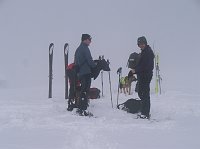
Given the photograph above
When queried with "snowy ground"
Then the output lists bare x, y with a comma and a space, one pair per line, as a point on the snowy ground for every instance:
29, 120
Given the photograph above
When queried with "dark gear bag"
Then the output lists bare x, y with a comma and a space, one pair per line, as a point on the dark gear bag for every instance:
131, 106
133, 60
94, 93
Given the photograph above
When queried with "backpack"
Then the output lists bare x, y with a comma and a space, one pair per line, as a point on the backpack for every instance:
72, 74
131, 106
71, 71
133, 60
94, 93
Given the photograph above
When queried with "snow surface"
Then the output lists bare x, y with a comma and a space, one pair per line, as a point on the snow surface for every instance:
29, 120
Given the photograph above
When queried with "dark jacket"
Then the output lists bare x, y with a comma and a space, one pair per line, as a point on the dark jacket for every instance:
84, 59
146, 62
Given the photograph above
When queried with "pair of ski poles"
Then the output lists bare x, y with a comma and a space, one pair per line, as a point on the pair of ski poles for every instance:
119, 72
102, 57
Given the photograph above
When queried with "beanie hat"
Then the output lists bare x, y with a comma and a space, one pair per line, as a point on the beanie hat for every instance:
142, 40
85, 37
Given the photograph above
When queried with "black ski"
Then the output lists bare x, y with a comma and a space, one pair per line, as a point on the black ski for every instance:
51, 47
66, 53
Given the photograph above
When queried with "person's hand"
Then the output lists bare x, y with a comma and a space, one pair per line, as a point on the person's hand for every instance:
133, 70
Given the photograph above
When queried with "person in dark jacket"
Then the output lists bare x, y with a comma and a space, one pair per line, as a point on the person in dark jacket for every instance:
144, 71
85, 63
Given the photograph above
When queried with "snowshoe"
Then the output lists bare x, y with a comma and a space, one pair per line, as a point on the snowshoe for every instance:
80, 112
70, 107
144, 116
83, 113
87, 113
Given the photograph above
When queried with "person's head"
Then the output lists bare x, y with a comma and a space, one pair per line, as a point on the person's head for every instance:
142, 42
86, 38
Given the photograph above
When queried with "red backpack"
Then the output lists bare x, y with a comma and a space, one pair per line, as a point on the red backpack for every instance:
71, 71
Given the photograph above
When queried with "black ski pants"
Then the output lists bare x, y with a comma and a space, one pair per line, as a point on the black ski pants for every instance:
85, 87
144, 81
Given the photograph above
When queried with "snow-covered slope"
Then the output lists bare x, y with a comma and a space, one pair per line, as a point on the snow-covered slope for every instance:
29, 120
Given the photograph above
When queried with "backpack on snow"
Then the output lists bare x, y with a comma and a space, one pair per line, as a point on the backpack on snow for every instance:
94, 93
133, 60
131, 106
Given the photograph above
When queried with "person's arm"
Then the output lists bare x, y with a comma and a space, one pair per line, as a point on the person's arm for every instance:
89, 58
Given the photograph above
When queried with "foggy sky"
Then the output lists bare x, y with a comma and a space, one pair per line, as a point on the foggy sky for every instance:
29, 26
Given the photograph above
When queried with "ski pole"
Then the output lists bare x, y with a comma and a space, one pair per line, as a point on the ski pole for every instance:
160, 79
102, 82
119, 71
110, 89
100, 58
110, 85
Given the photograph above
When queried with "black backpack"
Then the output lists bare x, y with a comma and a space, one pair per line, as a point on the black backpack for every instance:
133, 60
131, 106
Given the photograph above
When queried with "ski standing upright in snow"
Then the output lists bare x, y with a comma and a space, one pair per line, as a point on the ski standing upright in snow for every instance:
51, 47
66, 55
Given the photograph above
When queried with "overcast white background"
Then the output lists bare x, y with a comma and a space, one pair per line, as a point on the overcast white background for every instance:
27, 27
29, 120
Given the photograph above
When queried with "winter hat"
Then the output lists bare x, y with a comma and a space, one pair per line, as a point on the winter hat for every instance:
142, 40
85, 37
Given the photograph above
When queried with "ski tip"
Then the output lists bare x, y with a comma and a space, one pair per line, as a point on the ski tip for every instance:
51, 45
66, 45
